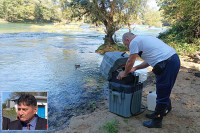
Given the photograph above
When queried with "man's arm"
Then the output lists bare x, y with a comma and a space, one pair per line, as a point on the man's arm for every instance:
129, 65
140, 66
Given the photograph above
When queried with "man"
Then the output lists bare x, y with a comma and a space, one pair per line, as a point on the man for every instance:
5, 123
26, 115
166, 65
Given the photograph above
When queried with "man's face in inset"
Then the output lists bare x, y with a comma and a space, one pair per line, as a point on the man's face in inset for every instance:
26, 113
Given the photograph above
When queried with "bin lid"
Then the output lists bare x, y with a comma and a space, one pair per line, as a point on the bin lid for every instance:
111, 62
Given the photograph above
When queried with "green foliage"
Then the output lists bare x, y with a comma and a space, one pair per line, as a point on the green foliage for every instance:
66, 10
112, 14
109, 48
110, 127
184, 16
92, 105
126, 121
10, 112
46, 11
26, 11
4, 105
152, 18
2, 14
176, 40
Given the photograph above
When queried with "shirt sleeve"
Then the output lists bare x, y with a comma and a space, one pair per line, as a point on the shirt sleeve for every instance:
133, 48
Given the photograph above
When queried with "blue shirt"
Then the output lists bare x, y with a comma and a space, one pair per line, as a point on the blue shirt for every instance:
32, 124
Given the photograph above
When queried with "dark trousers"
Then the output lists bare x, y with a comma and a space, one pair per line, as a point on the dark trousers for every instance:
165, 81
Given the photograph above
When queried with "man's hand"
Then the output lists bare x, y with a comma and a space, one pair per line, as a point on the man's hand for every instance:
121, 75
133, 69
129, 65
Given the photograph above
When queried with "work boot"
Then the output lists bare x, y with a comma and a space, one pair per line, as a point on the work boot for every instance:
154, 123
166, 111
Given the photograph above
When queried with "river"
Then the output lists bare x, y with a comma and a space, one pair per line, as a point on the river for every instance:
33, 59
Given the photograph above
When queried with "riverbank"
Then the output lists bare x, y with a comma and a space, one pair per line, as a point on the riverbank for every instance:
2, 21
184, 117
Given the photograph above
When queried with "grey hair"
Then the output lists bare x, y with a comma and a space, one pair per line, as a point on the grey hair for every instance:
127, 35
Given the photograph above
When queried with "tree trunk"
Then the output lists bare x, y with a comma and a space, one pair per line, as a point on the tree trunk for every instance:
108, 40
110, 31
83, 19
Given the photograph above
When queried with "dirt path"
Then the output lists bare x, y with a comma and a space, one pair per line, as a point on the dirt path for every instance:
184, 117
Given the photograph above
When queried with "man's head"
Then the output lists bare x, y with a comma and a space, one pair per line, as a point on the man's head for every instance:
27, 108
127, 38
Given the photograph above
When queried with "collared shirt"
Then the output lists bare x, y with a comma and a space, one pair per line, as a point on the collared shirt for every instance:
32, 124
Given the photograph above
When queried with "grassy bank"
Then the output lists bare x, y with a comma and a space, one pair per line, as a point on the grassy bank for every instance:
109, 48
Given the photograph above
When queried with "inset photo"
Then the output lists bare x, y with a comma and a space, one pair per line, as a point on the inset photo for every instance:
24, 111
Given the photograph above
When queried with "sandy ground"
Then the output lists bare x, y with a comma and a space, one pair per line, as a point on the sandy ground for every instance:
184, 117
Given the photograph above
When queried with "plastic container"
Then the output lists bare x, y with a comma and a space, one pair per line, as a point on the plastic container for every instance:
151, 101
125, 95
125, 100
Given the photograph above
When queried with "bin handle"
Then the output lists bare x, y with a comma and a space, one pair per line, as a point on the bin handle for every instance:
114, 93
123, 54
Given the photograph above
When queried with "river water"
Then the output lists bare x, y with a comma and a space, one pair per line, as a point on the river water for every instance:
33, 59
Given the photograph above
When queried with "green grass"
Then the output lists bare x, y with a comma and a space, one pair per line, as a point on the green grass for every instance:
109, 48
126, 121
93, 105
110, 127
184, 48
9, 112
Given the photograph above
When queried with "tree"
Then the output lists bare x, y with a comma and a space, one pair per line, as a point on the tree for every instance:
113, 14
152, 17
4, 105
45, 11
184, 16
11, 10
2, 9
29, 11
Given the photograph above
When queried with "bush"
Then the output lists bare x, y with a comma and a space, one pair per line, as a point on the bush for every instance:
185, 32
176, 38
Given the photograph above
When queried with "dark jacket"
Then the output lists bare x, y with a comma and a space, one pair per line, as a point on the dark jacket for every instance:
17, 124
5, 123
